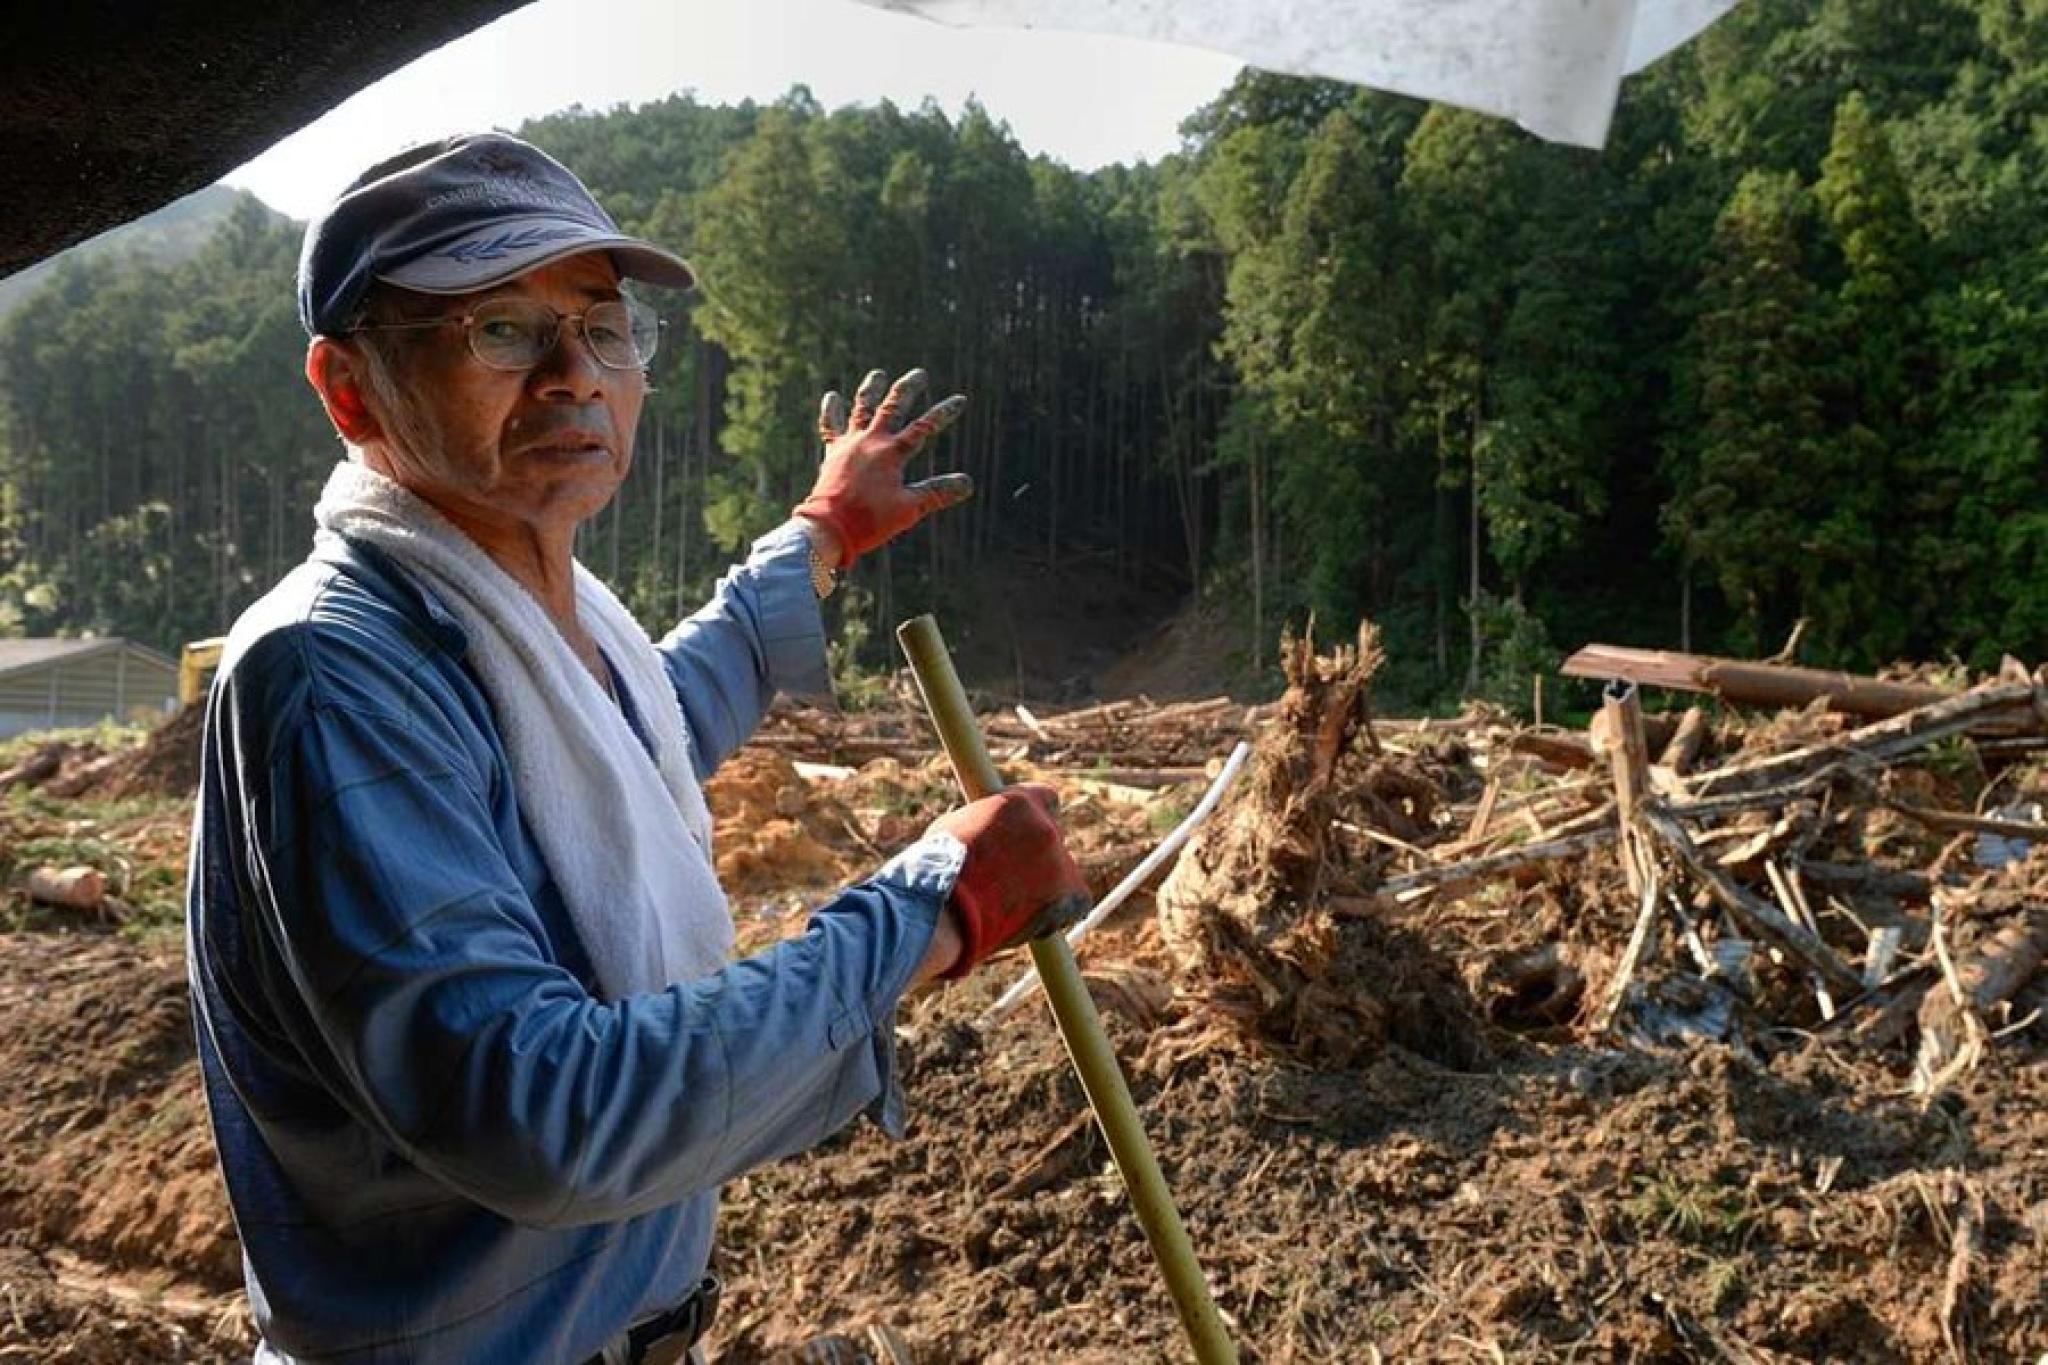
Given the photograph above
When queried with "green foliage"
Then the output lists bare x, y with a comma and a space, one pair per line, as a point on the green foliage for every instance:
1517, 649
1781, 351
107, 737
1706, 1215
857, 687
93, 834
1754, 470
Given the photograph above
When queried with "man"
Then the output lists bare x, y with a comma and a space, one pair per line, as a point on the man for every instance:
475, 1054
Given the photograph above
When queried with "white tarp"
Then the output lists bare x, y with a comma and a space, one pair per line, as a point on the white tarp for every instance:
1553, 66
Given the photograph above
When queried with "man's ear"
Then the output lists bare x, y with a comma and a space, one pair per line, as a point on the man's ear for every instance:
336, 373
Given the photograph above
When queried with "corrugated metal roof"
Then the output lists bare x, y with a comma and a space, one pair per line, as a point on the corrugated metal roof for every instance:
20, 654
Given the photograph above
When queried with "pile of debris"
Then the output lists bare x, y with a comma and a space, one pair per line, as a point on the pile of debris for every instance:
164, 763
1861, 863
1820, 872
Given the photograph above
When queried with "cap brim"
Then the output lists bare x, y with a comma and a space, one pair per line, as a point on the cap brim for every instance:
507, 250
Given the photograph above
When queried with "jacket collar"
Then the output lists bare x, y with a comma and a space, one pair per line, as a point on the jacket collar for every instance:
394, 585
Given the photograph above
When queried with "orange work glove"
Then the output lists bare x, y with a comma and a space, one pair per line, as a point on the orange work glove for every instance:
1019, 882
860, 492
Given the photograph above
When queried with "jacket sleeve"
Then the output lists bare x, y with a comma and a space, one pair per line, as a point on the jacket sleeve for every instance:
761, 633
414, 977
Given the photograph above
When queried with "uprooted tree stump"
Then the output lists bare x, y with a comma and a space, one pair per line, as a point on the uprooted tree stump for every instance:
1245, 912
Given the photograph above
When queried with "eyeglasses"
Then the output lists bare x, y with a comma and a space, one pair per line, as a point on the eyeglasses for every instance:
518, 334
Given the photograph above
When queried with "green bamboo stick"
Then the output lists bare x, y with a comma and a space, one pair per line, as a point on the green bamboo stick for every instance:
1074, 1010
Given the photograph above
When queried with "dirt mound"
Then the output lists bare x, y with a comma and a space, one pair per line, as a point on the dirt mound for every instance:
165, 763
1558, 1205
55, 1312
1202, 650
775, 832
788, 838
106, 1149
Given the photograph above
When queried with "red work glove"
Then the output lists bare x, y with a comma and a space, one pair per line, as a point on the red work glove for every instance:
860, 493
1019, 882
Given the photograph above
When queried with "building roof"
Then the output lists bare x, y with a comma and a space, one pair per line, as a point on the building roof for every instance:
113, 109
16, 655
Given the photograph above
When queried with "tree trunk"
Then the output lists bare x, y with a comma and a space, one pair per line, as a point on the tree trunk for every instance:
1477, 636
1258, 508
1685, 608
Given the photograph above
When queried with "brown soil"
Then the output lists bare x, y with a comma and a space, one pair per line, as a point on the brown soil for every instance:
1201, 650
1480, 1183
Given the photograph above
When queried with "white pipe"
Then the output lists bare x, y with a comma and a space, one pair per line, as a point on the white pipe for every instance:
1204, 808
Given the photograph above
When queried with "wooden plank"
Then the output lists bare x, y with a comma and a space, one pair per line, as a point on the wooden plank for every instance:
1752, 684
1628, 755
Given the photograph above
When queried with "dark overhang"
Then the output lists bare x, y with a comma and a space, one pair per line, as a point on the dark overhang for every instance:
109, 110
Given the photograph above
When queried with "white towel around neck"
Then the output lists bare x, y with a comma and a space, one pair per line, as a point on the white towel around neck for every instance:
627, 839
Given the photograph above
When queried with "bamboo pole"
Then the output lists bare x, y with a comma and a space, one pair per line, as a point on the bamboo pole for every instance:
1080, 1026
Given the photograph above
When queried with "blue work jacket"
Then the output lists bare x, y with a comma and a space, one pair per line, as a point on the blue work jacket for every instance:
439, 1143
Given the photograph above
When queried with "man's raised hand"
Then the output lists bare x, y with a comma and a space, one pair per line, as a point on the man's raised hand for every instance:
860, 494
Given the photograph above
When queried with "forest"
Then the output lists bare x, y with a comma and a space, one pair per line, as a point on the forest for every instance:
1774, 355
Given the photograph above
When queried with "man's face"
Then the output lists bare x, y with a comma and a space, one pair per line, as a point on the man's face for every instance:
540, 450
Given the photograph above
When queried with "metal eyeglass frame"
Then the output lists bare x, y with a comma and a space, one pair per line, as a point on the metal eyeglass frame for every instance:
467, 321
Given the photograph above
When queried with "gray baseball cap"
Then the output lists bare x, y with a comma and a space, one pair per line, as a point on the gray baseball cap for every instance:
456, 216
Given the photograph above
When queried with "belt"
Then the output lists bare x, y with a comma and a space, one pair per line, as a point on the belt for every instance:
667, 1337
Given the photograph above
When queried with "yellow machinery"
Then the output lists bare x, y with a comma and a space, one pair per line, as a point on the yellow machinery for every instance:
195, 668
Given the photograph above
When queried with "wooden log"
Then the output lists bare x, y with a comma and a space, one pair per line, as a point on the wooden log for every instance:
71, 888
1181, 711
1955, 822
1111, 791
1762, 798
40, 766
1578, 751
1966, 1249
1757, 915
1423, 725
2004, 963
76, 781
1088, 715
1561, 751
1493, 864
1884, 742
1484, 815
1533, 807
1684, 749
1752, 684
1880, 954
1600, 816
1883, 1017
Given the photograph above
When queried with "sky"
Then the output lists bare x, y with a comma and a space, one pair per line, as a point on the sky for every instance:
1083, 99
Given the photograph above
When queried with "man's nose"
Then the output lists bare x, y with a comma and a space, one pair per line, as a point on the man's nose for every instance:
570, 370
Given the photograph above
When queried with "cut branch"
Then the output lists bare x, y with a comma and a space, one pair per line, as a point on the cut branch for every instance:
1949, 1030
1684, 749
1494, 863
1887, 740
1758, 916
